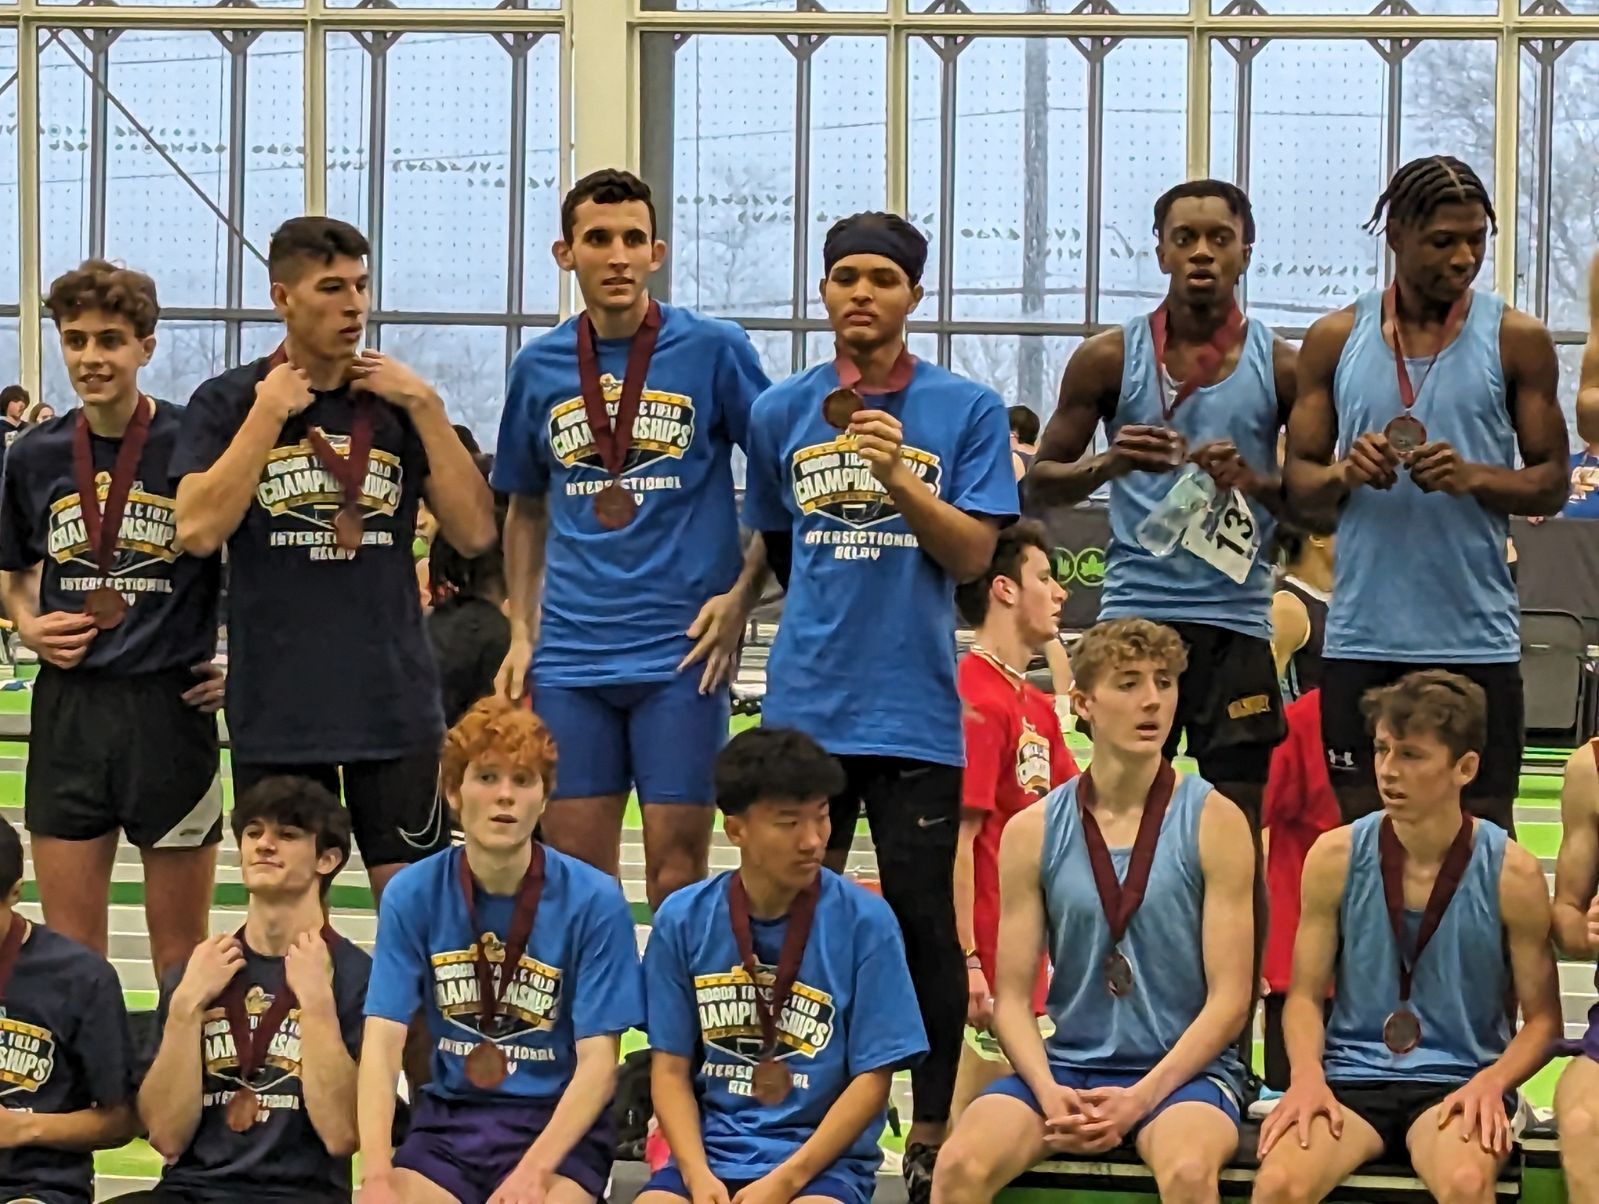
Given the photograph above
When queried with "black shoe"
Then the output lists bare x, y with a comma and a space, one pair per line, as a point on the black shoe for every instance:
917, 1168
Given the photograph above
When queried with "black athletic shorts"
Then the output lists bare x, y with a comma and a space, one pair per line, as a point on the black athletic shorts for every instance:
395, 807
1392, 1107
1228, 704
1351, 762
109, 752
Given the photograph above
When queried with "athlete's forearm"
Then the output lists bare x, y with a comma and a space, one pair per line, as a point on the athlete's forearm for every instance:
1268, 491
1571, 930
1304, 1036
1054, 483
170, 1099
328, 1079
1017, 1030
966, 880
855, 1108
77, 1132
1529, 1051
382, 1049
19, 591
1314, 493
1539, 489
583, 1101
962, 545
456, 491
1216, 1027
526, 529
211, 504
755, 573
678, 1111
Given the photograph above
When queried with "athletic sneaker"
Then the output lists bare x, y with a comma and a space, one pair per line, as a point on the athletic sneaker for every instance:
917, 1168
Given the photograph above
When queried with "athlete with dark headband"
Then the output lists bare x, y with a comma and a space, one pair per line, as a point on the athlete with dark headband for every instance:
621, 544
878, 482
1422, 920
124, 621
1427, 416
1135, 880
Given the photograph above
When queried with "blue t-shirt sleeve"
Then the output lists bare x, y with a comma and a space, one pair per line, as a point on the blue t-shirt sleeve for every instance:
608, 986
885, 1023
763, 479
400, 965
740, 379
19, 535
519, 464
985, 479
674, 1025
209, 424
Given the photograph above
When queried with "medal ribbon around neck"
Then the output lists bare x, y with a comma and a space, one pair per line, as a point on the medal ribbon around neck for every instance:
1208, 359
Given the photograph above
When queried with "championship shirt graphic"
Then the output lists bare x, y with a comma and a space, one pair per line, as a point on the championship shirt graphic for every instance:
529, 1005
27, 1059
662, 434
273, 1083
831, 479
1032, 760
298, 491
147, 542
730, 1023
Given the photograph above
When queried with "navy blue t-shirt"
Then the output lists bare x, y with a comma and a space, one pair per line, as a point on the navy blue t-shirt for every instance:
328, 659
64, 1047
617, 604
281, 1158
172, 597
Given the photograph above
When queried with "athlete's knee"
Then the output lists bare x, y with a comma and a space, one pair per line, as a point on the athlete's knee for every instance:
1465, 1182
671, 874
965, 1170
1277, 1184
1187, 1178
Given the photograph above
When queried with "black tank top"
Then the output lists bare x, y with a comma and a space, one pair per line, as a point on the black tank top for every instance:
1303, 673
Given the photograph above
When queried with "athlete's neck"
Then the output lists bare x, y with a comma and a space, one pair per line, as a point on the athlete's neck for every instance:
1196, 321
1122, 781
109, 421
620, 323
999, 638
325, 374
499, 871
769, 899
1315, 571
875, 363
1427, 837
1415, 309
272, 925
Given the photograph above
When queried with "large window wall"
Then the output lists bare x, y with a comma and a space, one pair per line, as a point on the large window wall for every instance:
1027, 137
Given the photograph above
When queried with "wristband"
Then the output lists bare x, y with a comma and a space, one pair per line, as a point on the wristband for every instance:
973, 962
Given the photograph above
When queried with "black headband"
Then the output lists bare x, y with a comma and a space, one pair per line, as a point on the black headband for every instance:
885, 234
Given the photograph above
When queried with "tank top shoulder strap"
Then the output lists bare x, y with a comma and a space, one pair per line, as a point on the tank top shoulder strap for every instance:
1138, 355
1060, 820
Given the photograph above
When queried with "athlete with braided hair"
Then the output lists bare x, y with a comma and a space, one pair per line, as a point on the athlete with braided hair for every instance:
1426, 417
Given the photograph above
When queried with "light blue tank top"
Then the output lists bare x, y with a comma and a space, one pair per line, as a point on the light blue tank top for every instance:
1462, 1030
1182, 587
1093, 1029
1421, 577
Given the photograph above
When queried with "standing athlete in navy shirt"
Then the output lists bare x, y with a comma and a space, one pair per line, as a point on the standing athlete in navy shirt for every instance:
124, 619
524, 964
779, 1001
309, 465
621, 544
878, 482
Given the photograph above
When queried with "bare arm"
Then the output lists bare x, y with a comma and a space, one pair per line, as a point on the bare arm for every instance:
855, 1108
1227, 860
961, 543
584, 1099
965, 877
1315, 955
1021, 941
1532, 377
1314, 484
1524, 907
1577, 868
527, 523
1290, 628
678, 1110
1060, 667
455, 489
1588, 384
171, 1096
382, 1047
19, 592
77, 1132
1062, 472
328, 1077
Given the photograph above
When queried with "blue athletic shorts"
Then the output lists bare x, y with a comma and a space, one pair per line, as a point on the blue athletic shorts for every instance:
1203, 1090
832, 1183
660, 738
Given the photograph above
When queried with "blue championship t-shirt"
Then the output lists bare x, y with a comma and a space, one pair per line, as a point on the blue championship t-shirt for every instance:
579, 977
171, 620
852, 1010
864, 661
329, 661
616, 604
64, 1047
281, 1158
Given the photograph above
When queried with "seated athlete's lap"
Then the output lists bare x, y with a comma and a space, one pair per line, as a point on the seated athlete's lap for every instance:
1393, 1107
845, 1187
1202, 1090
469, 1147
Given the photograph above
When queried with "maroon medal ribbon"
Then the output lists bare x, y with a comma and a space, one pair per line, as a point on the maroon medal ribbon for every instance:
10, 950
349, 471
1207, 359
1121, 900
1407, 388
1391, 858
777, 1081
523, 913
841, 405
613, 440
102, 529
251, 1045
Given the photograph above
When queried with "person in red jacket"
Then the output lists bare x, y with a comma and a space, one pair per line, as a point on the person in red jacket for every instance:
1015, 754
1299, 806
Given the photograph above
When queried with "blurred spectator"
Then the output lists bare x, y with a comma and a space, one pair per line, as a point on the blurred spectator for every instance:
467, 624
1023, 438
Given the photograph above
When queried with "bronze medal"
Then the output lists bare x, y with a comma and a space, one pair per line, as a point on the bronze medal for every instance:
349, 527
771, 1082
1405, 434
1401, 1032
486, 1066
1119, 974
106, 606
840, 407
614, 507
242, 1110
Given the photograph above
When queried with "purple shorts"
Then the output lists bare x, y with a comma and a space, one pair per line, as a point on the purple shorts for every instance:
468, 1147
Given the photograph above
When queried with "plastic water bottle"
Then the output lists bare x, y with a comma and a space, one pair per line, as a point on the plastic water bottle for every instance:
1162, 529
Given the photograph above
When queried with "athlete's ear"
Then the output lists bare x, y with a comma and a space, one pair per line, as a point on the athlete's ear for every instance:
657, 256
14, 895
1005, 590
562, 250
148, 345
326, 862
1466, 768
453, 797
1160, 257
280, 298
734, 827
1249, 254
917, 293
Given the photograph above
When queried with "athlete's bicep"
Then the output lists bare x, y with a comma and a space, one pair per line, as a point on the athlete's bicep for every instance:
1321, 893
1313, 421
1532, 372
1089, 390
1285, 375
1577, 866
1021, 903
1528, 921
1227, 861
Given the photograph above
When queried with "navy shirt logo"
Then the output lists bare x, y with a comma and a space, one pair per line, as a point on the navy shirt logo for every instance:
831, 478
27, 1055
303, 496
147, 540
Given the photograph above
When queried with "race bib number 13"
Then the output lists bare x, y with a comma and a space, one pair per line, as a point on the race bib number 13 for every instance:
1225, 537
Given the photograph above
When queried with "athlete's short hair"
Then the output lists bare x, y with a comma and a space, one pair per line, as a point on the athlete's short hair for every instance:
494, 727
302, 241
608, 186
1117, 643
1023, 423
1434, 702
774, 764
290, 801
973, 597
10, 857
102, 285
13, 393
1237, 202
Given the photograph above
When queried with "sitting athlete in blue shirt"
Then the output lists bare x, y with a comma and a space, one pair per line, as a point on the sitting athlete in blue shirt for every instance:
523, 1064
780, 1004
1417, 1051
1147, 1005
